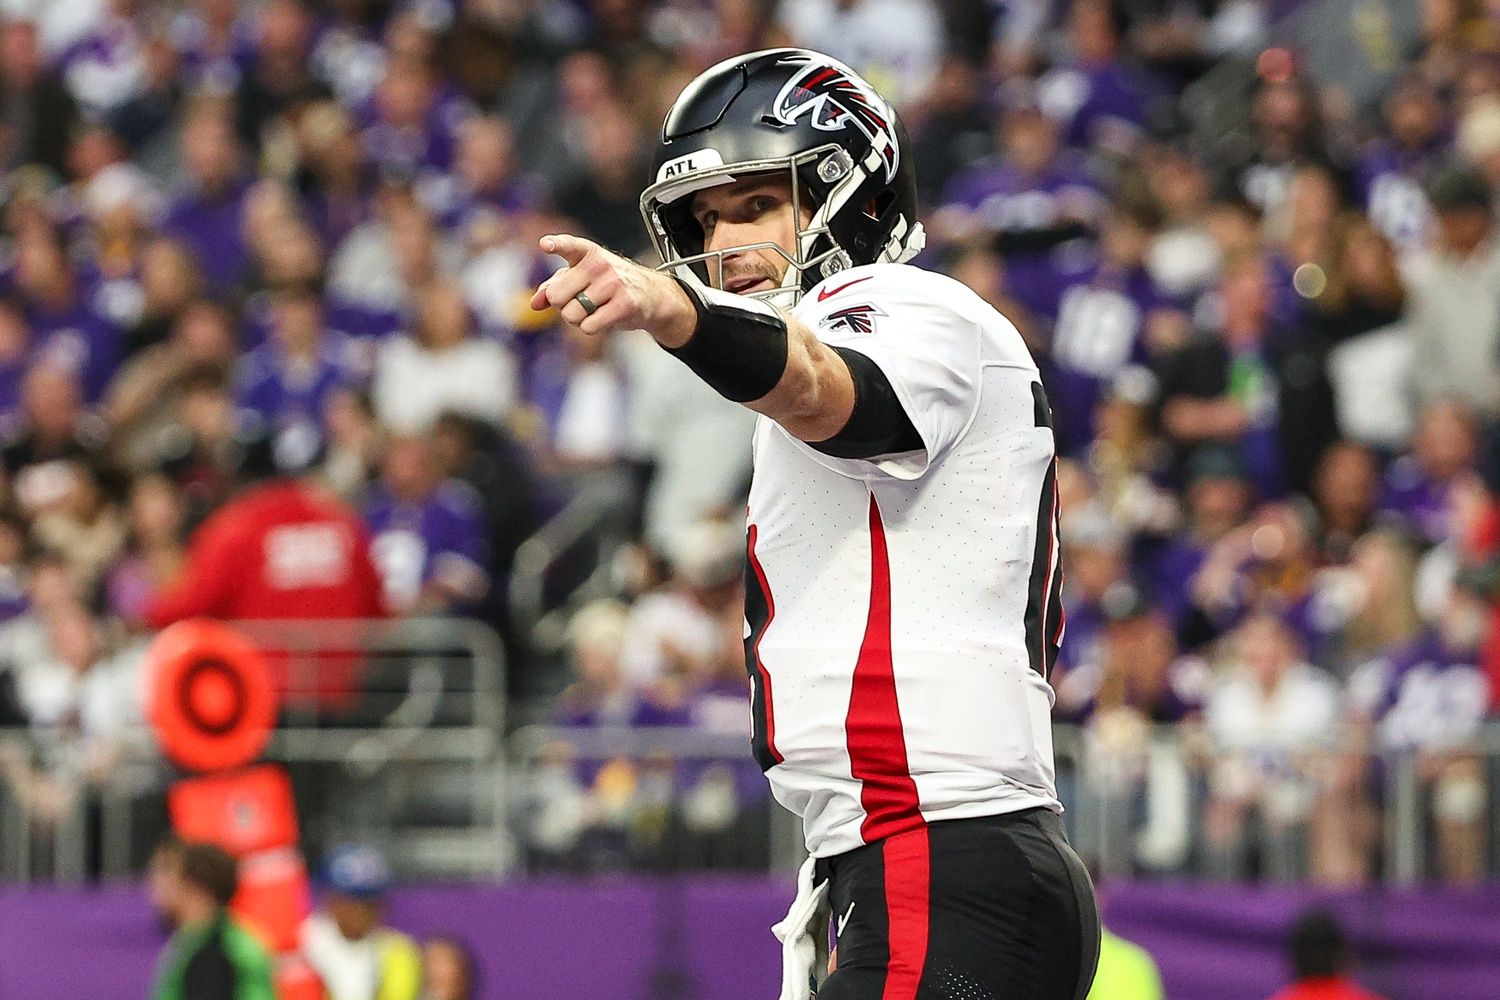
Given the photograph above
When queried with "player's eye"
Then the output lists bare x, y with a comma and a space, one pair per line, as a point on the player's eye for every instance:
762, 204
707, 221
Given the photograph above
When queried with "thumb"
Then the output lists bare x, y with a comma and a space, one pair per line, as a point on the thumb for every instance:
570, 248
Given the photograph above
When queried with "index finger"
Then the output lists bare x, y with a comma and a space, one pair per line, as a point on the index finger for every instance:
570, 248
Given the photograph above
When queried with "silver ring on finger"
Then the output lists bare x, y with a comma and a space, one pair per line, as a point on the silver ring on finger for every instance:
582, 298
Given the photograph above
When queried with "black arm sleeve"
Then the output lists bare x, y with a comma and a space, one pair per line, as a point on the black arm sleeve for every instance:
739, 345
879, 424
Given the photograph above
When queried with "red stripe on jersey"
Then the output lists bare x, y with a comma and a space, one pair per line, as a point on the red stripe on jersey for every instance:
1062, 611
908, 871
1051, 568
877, 743
760, 669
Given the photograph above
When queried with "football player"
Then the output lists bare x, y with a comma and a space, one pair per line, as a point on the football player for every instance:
903, 576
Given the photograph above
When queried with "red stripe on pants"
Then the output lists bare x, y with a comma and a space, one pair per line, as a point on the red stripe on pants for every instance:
908, 870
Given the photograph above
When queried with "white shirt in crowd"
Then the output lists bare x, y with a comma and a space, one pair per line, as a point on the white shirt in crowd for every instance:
414, 385
1297, 713
663, 626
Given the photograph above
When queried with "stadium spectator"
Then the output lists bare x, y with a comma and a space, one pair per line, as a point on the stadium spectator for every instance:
896, 44
154, 550
1390, 174
590, 427
604, 198
1321, 959
442, 367
38, 110
284, 384
1345, 490
1286, 131
1420, 487
283, 549
210, 956
1126, 971
426, 534
1141, 683
355, 954
208, 214
54, 429
279, 73
107, 66
354, 439
1268, 714
674, 633
385, 261
1100, 99
1245, 387
169, 284
1370, 602
67, 330
1110, 315
1031, 199
83, 707
449, 970
332, 178
1429, 697
1356, 317
1095, 550
1217, 500
15, 346
143, 405
1454, 320
83, 524
599, 693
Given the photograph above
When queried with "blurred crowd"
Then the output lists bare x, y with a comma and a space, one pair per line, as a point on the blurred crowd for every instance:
267, 264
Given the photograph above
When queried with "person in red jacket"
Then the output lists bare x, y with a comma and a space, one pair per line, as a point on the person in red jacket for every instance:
284, 549
1321, 959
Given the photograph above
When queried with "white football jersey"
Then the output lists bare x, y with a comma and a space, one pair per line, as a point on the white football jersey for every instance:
902, 613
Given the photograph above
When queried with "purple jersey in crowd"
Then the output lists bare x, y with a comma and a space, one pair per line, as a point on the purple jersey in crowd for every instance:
1105, 105
1002, 199
355, 332
1389, 181
421, 151
1100, 330
212, 225
1419, 501
77, 339
198, 66
106, 67
440, 539
1422, 696
290, 396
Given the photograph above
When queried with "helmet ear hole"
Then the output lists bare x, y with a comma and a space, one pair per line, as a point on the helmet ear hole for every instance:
880, 204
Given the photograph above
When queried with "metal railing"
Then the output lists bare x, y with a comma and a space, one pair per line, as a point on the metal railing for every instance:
393, 733
597, 512
1150, 805
446, 795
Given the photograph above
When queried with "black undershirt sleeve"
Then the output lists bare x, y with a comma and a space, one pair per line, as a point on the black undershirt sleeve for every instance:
879, 424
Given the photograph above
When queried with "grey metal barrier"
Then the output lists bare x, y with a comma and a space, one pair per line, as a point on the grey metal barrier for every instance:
392, 732
1150, 801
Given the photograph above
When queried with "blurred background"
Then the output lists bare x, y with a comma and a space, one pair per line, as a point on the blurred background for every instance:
264, 331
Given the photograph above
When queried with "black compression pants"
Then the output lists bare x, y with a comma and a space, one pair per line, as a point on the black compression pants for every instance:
995, 908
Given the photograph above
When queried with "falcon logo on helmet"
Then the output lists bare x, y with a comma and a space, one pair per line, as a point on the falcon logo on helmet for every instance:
835, 97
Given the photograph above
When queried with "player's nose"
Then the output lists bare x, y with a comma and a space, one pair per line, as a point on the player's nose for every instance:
728, 236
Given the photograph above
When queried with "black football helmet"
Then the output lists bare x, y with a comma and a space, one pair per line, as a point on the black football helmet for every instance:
844, 149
